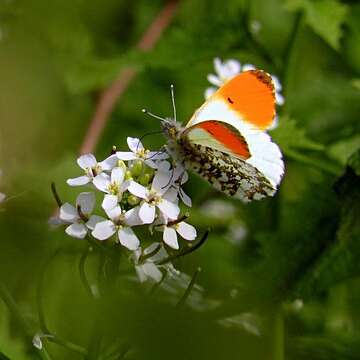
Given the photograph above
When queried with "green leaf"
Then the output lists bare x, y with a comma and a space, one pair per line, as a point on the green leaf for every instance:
343, 149
325, 347
293, 141
325, 17
3, 356
340, 261
291, 137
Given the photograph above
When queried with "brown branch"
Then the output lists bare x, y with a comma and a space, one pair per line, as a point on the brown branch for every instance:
111, 94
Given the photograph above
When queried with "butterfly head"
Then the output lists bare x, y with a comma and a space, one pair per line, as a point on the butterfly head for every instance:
171, 129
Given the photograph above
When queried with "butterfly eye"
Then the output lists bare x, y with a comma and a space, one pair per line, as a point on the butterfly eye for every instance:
229, 100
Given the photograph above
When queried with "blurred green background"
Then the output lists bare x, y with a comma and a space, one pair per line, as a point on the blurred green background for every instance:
280, 277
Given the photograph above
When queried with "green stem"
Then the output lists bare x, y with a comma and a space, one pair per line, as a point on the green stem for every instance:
258, 47
338, 318
189, 288
68, 345
278, 335
289, 52
313, 162
42, 319
56, 195
15, 312
82, 271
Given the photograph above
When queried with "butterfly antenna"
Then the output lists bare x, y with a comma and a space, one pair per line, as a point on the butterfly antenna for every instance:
147, 112
173, 100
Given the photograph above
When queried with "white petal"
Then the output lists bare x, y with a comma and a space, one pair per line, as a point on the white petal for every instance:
151, 248
158, 155
102, 182
164, 166
162, 181
184, 178
280, 100
2, 197
185, 198
140, 273
233, 67
124, 186
79, 181
214, 80
128, 238
94, 219
209, 92
86, 201
151, 163
179, 172
87, 161
134, 144
275, 123
114, 213
277, 83
109, 202
170, 209
132, 217
170, 238
76, 230
118, 175
247, 67
186, 231
152, 271
171, 195
138, 190
68, 213
103, 230
36, 341
109, 162
126, 155
218, 65
147, 213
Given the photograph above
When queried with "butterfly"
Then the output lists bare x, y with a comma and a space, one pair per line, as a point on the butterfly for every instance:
225, 141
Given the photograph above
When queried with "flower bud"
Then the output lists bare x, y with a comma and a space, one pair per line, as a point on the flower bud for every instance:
137, 168
121, 164
128, 175
145, 179
133, 200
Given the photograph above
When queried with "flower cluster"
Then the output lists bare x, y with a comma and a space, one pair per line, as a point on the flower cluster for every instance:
227, 69
140, 188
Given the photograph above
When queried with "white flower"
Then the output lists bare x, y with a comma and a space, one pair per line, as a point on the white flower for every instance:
37, 342
92, 168
171, 229
156, 197
79, 216
145, 262
138, 152
224, 71
120, 222
227, 69
180, 178
113, 186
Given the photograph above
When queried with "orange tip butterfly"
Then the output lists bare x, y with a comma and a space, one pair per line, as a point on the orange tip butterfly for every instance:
225, 141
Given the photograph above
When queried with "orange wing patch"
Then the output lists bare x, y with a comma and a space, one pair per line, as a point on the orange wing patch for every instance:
227, 135
252, 94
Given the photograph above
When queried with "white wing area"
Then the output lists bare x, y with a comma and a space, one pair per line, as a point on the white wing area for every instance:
265, 155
